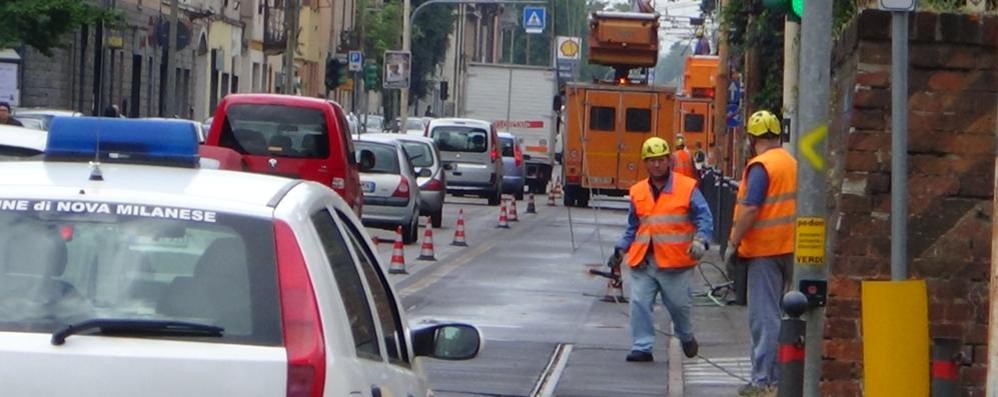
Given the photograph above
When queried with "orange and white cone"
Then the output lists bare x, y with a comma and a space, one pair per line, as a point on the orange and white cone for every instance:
397, 266
551, 202
531, 208
503, 216
557, 188
426, 251
513, 216
459, 238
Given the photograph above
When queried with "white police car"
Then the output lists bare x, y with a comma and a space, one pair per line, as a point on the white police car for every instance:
121, 279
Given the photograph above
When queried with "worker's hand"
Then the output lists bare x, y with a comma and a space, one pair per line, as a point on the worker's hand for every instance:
615, 259
730, 254
697, 249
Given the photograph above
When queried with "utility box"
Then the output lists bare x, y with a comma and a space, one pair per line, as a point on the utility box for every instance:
623, 39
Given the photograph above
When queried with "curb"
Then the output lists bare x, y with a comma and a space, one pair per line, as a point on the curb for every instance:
677, 369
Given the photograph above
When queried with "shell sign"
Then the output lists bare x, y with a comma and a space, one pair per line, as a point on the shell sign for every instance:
569, 48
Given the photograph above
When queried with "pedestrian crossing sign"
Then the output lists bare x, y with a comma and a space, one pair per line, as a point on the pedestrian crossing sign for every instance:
534, 19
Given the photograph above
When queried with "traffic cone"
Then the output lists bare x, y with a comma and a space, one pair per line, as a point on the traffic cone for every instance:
615, 288
426, 251
557, 188
376, 241
397, 265
503, 216
551, 202
531, 209
459, 231
513, 216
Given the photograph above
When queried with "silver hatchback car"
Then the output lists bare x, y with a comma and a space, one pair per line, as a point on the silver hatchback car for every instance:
430, 173
471, 148
390, 187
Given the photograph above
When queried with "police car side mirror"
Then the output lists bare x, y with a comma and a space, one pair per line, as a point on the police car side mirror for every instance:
446, 341
366, 160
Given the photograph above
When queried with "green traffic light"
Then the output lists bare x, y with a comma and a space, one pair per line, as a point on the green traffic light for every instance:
798, 7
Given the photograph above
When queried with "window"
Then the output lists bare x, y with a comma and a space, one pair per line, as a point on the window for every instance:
276, 130
602, 118
365, 334
388, 315
119, 262
461, 139
638, 120
507, 147
386, 158
693, 122
420, 154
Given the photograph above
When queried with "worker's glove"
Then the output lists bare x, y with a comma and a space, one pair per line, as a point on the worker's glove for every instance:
697, 249
615, 259
730, 254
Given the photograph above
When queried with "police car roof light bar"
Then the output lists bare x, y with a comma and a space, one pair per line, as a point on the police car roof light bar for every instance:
109, 140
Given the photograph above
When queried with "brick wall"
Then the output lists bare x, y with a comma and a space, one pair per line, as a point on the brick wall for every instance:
953, 96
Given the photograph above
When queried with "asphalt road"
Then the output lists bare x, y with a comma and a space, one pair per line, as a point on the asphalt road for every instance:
528, 289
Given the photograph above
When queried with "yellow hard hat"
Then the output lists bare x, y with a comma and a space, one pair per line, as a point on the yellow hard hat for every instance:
680, 141
654, 147
763, 122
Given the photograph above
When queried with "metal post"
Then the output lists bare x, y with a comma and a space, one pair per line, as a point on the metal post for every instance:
812, 179
406, 46
291, 24
899, 145
171, 61
721, 85
945, 367
791, 356
791, 54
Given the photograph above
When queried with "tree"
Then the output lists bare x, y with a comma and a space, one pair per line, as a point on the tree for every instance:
42, 24
429, 43
670, 68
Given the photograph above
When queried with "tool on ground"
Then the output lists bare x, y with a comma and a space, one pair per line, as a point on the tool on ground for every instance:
397, 265
615, 284
459, 238
426, 250
531, 208
513, 216
791, 353
503, 216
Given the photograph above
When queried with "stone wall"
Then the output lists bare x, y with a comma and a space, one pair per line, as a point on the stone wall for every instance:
953, 96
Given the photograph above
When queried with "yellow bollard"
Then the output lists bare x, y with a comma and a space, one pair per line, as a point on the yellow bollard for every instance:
895, 338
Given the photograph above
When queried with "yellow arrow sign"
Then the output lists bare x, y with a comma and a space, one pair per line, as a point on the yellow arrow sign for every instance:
808, 147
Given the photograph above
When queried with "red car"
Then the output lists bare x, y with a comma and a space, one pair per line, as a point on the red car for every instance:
292, 136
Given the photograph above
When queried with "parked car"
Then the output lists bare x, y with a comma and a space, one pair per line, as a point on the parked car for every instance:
430, 174
170, 280
20, 143
196, 126
42, 115
291, 136
471, 148
391, 191
514, 171
374, 124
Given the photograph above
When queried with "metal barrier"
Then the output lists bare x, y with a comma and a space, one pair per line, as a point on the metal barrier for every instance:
721, 193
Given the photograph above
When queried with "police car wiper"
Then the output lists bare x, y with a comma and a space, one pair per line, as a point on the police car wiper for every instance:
132, 326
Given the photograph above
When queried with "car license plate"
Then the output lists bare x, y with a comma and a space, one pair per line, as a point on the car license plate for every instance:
368, 187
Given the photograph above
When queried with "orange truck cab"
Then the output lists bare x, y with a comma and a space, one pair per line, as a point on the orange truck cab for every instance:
695, 108
292, 136
604, 128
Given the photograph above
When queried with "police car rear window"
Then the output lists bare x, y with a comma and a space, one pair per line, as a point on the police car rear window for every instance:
276, 130
63, 262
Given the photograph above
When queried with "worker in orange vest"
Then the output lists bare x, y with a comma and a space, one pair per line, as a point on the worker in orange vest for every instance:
683, 160
668, 227
762, 239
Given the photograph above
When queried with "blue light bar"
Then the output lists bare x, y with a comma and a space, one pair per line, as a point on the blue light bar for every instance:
134, 141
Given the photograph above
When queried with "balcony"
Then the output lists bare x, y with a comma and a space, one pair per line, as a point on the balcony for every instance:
275, 40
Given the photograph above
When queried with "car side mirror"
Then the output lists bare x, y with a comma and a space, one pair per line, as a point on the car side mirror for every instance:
425, 173
449, 167
526, 157
366, 160
447, 341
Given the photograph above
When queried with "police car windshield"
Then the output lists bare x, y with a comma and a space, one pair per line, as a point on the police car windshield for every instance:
63, 262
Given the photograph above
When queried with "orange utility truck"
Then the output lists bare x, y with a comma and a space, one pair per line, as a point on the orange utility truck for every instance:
695, 107
606, 122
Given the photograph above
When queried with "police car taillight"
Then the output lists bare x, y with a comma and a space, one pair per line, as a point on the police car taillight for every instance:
303, 337
157, 142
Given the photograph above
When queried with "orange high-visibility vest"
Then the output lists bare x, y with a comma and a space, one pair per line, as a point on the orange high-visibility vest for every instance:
665, 224
773, 231
682, 163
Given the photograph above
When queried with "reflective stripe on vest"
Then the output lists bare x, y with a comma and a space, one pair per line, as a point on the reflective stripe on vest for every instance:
773, 230
665, 226
683, 164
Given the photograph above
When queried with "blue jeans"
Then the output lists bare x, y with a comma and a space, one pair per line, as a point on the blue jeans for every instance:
767, 279
647, 282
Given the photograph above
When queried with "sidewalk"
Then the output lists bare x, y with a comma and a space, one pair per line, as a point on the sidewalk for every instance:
724, 340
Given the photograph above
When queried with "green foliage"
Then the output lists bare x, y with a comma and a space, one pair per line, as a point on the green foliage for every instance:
384, 32
670, 68
941, 5
429, 43
41, 24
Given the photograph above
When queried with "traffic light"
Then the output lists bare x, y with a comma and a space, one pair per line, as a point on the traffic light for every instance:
796, 7
444, 94
334, 73
370, 75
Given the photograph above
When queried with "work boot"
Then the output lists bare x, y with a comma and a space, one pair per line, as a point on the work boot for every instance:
639, 356
691, 348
